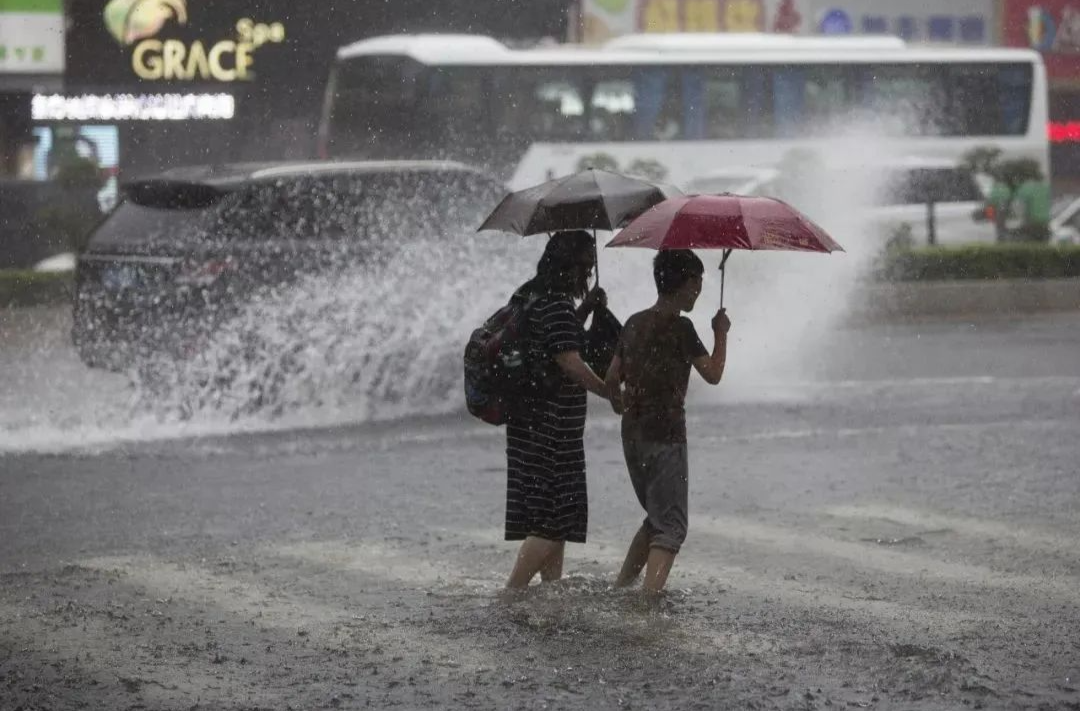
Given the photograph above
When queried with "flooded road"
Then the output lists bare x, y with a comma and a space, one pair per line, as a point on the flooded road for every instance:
899, 531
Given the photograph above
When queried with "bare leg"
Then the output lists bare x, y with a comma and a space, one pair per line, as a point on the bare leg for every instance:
636, 557
552, 569
532, 556
657, 569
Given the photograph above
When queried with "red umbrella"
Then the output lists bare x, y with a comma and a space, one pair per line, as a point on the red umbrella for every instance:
726, 222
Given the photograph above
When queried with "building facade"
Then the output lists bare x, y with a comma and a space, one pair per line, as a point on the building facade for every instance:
1052, 27
31, 61
167, 82
959, 22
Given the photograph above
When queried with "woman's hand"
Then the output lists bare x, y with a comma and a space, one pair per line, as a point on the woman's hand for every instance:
596, 297
579, 372
616, 402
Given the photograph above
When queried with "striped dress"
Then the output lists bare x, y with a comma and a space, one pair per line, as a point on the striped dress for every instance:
545, 452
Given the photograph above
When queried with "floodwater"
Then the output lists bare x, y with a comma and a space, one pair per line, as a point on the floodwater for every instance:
882, 517
901, 539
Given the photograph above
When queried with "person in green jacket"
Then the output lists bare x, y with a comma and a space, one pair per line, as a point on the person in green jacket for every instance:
1019, 202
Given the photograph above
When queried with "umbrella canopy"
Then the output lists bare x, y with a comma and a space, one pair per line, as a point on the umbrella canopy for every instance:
725, 222
588, 200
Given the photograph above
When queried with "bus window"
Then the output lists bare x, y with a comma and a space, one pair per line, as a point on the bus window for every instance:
658, 115
789, 100
906, 99
989, 100
612, 111
809, 100
457, 101
828, 98
372, 101
694, 110
725, 105
1014, 98
541, 104
972, 95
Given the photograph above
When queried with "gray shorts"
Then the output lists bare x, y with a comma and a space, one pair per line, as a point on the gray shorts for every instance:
660, 476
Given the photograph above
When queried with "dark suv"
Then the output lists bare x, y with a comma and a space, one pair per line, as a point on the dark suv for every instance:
185, 249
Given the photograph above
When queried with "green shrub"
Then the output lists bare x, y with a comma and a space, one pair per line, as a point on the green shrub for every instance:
990, 261
28, 288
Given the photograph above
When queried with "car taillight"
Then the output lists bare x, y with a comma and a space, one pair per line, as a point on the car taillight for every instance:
203, 273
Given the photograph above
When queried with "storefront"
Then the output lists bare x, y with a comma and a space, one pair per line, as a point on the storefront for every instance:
180, 82
1053, 28
951, 22
31, 61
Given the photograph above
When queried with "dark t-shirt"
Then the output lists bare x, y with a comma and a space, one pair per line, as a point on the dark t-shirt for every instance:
656, 351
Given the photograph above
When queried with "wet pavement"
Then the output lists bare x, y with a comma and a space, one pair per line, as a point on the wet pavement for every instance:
899, 531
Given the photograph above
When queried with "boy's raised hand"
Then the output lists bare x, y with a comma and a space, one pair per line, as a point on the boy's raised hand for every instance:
721, 324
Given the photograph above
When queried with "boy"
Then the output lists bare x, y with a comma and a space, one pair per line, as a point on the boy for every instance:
653, 360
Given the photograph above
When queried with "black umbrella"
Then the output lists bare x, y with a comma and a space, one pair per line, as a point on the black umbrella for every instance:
589, 200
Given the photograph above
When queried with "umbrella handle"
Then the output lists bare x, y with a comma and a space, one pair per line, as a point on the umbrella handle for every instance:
723, 271
596, 257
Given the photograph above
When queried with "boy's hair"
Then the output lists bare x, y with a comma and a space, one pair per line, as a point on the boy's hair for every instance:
674, 267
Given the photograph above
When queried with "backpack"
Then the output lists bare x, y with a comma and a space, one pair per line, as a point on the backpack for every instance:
497, 363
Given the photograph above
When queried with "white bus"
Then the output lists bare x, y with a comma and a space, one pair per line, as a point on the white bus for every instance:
677, 107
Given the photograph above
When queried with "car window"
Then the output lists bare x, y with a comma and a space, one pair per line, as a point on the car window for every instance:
358, 207
1062, 203
921, 185
1074, 220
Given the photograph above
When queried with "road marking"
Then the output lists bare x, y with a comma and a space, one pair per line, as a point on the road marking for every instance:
978, 528
265, 607
887, 561
900, 429
386, 562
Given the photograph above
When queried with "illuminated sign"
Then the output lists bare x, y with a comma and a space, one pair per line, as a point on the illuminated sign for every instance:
1064, 131
131, 107
138, 24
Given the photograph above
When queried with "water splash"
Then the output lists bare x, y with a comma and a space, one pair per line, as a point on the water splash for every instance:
383, 340
365, 342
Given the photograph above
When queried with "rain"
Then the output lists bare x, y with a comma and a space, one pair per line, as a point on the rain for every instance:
561, 354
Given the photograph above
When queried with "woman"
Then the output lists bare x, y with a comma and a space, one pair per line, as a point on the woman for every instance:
546, 503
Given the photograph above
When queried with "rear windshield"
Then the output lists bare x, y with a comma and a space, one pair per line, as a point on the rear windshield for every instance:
355, 208
131, 224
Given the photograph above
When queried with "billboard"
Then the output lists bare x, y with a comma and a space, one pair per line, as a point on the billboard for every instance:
173, 42
958, 22
1049, 26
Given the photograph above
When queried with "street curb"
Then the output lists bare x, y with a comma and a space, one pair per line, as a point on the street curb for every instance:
903, 300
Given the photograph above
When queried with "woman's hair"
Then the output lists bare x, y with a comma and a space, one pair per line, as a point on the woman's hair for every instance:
674, 267
559, 270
